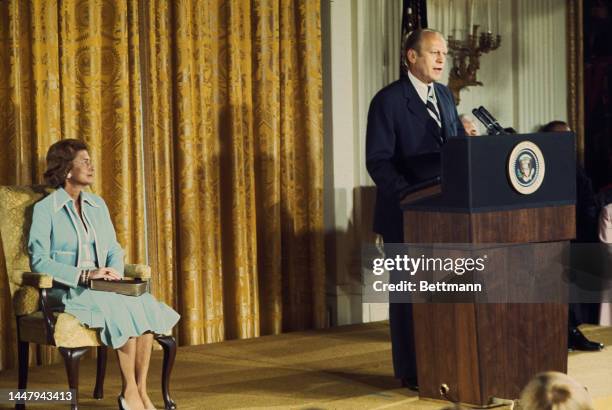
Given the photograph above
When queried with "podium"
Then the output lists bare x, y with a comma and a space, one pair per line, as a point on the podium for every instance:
477, 352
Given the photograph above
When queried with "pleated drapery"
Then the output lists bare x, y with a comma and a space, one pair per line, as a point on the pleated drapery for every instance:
204, 120
72, 72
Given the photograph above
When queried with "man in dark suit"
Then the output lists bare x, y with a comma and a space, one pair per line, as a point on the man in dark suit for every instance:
408, 121
587, 214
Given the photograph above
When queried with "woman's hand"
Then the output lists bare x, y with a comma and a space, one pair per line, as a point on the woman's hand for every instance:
104, 273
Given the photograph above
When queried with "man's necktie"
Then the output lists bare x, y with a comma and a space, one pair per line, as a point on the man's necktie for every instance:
432, 107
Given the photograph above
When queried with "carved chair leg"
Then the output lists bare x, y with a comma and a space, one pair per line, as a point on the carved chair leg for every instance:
168, 344
71, 360
100, 372
23, 353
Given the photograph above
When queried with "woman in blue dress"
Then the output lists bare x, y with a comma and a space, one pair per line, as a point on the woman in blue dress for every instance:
72, 238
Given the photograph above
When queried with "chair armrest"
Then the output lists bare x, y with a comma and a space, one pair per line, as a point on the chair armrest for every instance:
137, 271
26, 300
31, 287
37, 280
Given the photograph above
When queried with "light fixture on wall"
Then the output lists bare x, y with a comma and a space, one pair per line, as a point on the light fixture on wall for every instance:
466, 50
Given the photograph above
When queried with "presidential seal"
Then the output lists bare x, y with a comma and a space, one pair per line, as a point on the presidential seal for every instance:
526, 167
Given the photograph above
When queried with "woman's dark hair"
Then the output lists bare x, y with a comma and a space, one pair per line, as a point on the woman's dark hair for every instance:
59, 160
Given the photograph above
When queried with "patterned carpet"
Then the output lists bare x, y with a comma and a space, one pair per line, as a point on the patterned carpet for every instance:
342, 368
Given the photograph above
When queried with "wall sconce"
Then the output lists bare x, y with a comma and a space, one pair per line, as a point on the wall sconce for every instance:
466, 58
466, 46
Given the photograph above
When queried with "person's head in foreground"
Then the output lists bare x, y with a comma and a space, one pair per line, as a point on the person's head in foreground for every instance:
555, 126
468, 125
555, 391
425, 54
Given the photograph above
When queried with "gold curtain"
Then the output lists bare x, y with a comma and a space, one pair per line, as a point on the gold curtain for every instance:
228, 97
71, 70
236, 159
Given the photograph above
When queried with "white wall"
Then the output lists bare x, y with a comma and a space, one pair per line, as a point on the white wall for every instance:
525, 85
361, 41
525, 80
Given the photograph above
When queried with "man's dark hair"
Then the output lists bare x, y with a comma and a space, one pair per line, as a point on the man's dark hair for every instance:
412, 41
59, 160
554, 126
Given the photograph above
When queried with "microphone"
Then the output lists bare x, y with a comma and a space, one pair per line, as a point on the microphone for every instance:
485, 121
486, 113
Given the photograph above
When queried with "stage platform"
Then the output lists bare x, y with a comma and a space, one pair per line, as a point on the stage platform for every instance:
346, 367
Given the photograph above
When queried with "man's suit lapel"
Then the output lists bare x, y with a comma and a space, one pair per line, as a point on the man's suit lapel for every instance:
416, 106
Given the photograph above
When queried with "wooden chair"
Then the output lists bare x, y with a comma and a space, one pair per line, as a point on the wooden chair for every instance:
36, 321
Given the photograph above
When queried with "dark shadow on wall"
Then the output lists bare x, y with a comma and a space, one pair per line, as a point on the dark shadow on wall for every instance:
343, 249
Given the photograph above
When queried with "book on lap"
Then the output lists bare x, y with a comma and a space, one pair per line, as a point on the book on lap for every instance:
128, 287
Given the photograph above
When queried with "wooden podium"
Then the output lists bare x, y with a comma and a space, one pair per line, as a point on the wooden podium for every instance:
486, 351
